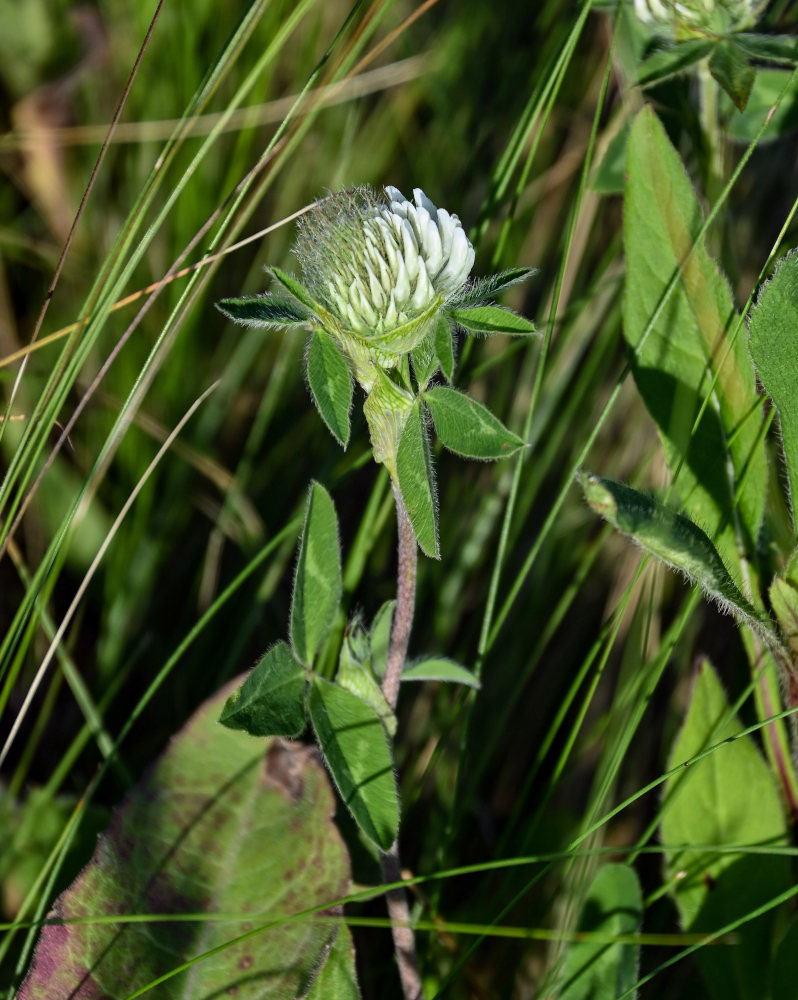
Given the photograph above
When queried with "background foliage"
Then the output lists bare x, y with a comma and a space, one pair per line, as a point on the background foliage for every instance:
501, 113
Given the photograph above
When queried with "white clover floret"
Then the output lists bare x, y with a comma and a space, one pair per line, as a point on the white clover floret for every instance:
382, 268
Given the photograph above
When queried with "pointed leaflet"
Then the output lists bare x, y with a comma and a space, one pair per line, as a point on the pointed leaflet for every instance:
729, 66
483, 289
337, 979
330, 385
726, 799
317, 586
595, 968
264, 310
355, 749
772, 48
189, 839
467, 428
493, 319
438, 668
675, 540
676, 360
417, 481
675, 59
425, 360
773, 340
271, 701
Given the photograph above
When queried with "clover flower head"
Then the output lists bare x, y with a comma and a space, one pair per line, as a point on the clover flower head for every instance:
685, 18
382, 266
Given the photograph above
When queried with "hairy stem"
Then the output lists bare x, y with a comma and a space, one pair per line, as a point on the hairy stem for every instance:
398, 910
405, 602
404, 940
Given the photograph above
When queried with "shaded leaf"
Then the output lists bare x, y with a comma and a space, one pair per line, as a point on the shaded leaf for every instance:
675, 540
729, 66
337, 979
676, 59
298, 290
271, 701
773, 48
380, 637
264, 310
190, 838
330, 385
493, 319
417, 480
355, 748
727, 798
483, 289
773, 340
598, 969
355, 674
317, 586
438, 668
785, 964
467, 428
685, 355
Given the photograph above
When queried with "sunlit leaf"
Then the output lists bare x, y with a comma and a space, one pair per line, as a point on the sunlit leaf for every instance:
493, 319
438, 668
417, 481
468, 428
317, 587
685, 363
773, 339
330, 385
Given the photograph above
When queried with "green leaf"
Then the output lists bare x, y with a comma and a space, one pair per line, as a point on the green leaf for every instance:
685, 355
417, 480
773, 340
330, 385
676, 59
773, 48
493, 319
355, 748
337, 979
783, 594
444, 346
674, 540
766, 101
298, 290
317, 587
380, 637
355, 674
264, 310
596, 968
729, 66
467, 428
438, 668
726, 799
221, 823
484, 289
425, 360
271, 701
